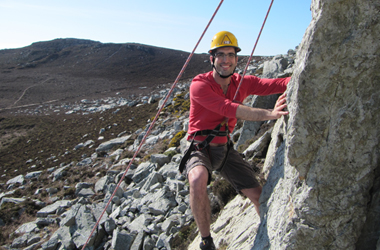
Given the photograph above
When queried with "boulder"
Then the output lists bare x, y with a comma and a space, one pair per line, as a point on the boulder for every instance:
106, 146
160, 159
121, 240
18, 179
322, 180
51, 209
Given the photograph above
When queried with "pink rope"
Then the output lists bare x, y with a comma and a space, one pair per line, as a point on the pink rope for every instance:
253, 50
152, 124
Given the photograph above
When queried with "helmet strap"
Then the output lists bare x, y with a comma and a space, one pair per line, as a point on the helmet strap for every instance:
222, 76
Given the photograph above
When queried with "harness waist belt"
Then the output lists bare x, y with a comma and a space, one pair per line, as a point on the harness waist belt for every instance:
208, 132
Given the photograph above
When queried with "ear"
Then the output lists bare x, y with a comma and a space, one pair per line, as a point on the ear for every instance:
211, 59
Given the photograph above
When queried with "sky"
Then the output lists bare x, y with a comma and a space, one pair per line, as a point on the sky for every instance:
174, 24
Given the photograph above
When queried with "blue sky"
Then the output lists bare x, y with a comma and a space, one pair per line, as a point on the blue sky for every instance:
174, 24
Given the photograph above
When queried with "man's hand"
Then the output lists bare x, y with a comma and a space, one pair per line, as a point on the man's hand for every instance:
278, 110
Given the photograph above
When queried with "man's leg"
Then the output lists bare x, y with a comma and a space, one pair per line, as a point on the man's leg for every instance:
199, 201
253, 194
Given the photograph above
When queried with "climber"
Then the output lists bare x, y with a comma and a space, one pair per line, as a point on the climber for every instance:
213, 115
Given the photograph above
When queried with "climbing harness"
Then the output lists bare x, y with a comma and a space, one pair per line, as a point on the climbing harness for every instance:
205, 143
152, 124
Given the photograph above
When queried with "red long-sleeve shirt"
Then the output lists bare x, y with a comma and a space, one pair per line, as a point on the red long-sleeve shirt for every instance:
209, 106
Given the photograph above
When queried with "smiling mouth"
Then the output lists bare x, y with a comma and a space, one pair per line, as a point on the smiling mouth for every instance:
225, 67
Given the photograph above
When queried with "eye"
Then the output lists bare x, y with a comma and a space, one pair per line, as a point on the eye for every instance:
222, 55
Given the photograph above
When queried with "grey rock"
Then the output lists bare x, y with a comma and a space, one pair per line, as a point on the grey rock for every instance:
151, 140
33, 175
85, 222
140, 222
170, 222
149, 243
101, 184
18, 179
85, 162
42, 222
83, 189
51, 209
106, 146
20, 242
51, 244
121, 240
321, 175
51, 190
152, 179
11, 200
160, 159
32, 239
109, 225
27, 228
163, 242
63, 234
258, 147
59, 173
85, 192
162, 203
138, 242
142, 171
274, 67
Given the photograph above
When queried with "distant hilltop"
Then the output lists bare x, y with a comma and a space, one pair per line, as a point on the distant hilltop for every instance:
71, 69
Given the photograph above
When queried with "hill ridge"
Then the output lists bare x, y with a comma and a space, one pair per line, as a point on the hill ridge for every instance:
73, 68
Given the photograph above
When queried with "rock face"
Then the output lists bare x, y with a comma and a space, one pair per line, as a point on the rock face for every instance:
322, 191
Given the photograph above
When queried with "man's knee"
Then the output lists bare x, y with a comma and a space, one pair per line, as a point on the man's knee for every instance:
253, 193
198, 177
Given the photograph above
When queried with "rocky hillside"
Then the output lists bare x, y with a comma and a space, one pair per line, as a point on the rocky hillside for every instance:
69, 163
50, 148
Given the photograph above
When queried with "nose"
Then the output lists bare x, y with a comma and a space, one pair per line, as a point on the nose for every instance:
225, 58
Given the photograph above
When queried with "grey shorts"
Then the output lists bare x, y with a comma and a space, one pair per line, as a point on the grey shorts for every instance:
236, 171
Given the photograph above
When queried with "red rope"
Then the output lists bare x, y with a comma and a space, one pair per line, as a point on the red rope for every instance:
153, 122
253, 50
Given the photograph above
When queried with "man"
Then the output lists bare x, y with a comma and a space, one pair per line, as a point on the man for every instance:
212, 104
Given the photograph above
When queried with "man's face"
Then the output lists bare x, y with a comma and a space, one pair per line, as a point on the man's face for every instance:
225, 60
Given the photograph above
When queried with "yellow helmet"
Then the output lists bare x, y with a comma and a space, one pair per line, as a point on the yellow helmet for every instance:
224, 39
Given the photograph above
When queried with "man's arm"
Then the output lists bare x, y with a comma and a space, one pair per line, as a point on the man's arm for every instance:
257, 114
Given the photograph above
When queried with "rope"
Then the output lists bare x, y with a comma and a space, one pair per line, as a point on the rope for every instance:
152, 124
253, 50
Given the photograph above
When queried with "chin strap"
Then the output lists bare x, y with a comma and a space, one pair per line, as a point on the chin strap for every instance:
222, 76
